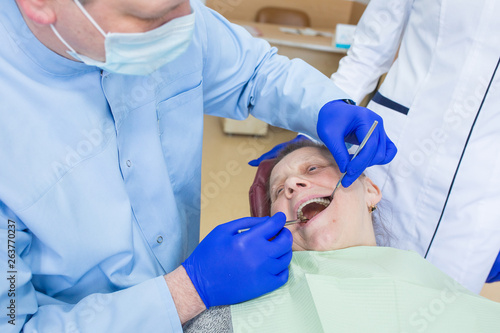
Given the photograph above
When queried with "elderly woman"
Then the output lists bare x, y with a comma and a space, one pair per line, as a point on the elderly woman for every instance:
340, 281
300, 185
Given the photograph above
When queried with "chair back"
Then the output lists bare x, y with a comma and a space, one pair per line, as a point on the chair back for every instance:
260, 204
285, 16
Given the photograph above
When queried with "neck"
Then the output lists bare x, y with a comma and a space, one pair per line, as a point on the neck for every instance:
46, 36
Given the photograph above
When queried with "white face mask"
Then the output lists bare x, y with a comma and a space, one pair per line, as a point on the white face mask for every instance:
139, 53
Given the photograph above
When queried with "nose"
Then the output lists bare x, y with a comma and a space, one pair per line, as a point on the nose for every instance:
293, 185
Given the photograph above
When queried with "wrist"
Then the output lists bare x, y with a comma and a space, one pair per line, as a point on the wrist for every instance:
348, 101
186, 299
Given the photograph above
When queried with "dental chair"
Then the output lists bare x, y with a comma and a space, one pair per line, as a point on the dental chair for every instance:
259, 200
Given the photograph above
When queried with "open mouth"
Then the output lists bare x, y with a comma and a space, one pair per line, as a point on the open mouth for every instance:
311, 208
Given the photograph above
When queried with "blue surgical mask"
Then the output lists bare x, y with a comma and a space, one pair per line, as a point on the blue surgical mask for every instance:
139, 53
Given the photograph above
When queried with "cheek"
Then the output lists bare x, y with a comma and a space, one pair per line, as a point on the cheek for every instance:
280, 206
274, 208
350, 201
321, 234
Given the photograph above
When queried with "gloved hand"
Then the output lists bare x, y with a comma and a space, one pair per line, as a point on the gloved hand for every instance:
339, 122
494, 275
276, 149
228, 267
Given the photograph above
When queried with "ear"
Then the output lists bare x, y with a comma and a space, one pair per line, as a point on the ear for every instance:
373, 194
38, 11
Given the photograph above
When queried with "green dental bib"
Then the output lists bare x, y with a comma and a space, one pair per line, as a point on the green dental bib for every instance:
366, 289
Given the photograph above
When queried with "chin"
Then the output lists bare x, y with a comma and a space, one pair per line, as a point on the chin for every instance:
320, 242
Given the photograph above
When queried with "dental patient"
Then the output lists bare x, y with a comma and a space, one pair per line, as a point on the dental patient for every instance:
340, 280
299, 186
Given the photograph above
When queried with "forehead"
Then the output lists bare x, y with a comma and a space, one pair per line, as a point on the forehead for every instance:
298, 158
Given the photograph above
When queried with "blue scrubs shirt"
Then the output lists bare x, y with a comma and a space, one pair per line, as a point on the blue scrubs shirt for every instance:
100, 173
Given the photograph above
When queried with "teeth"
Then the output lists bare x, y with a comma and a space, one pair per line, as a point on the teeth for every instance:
322, 201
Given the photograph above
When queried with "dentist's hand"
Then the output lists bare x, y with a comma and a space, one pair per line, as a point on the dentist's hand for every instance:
339, 122
276, 150
228, 267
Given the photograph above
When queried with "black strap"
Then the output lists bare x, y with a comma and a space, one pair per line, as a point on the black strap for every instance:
388, 103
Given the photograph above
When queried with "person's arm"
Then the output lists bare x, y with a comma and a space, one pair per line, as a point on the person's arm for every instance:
245, 75
187, 301
376, 42
226, 268
149, 304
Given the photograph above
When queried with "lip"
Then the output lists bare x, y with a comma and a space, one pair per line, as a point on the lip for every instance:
312, 196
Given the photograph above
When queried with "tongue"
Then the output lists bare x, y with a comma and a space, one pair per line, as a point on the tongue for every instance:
312, 209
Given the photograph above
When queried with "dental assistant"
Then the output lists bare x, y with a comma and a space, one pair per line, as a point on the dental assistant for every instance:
102, 106
440, 104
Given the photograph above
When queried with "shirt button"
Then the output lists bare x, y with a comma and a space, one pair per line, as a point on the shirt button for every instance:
159, 239
129, 163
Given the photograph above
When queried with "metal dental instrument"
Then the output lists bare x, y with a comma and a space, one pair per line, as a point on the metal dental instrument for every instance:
367, 136
295, 221
286, 223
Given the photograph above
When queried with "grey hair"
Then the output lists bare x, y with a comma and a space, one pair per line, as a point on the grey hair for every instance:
381, 227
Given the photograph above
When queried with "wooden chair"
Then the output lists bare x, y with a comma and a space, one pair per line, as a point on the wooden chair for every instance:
285, 16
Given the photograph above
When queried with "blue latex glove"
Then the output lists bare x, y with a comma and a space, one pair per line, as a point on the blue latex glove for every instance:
340, 122
275, 151
494, 275
228, 267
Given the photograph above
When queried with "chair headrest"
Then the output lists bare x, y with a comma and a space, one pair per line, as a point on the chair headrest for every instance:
260, 205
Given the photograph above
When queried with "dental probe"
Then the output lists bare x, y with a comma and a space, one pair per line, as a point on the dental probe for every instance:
367, 136
286, 223
296, 221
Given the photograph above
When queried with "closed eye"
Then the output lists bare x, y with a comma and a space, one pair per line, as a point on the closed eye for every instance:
279, 190
317, 168
314, 168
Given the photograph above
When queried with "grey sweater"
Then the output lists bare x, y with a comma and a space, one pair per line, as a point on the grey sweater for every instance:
214, 320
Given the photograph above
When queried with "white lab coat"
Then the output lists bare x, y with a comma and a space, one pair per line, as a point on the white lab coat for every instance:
443, 187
